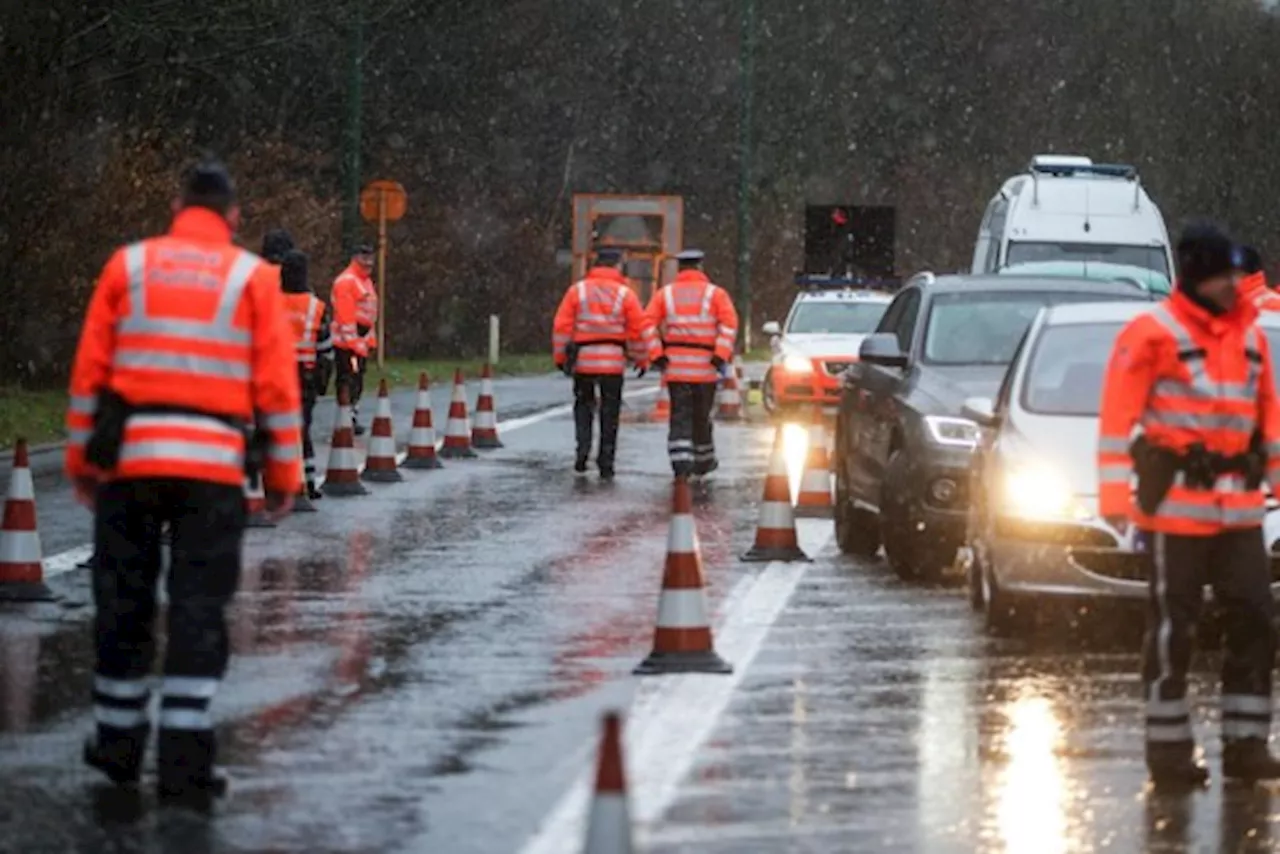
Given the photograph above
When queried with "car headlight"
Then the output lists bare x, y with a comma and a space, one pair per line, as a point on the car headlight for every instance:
1039, 492
957, 432
794, 363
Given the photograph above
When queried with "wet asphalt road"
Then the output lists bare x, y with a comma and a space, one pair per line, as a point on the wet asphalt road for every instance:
424, 672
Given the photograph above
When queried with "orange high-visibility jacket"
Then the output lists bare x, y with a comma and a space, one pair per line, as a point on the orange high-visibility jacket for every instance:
696, 321
1186, 376
1254, 288
355, 304
305, 313
189, 321
604, 318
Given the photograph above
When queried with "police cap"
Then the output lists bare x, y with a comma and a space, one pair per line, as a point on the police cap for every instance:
608, 256
691, 256
363, 249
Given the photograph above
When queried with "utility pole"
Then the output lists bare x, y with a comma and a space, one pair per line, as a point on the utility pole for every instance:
746, 83
352, 134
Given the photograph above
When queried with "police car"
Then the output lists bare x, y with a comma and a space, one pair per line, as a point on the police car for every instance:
819, 340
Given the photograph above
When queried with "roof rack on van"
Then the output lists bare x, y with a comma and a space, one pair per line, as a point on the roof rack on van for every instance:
1065, 169
821, 282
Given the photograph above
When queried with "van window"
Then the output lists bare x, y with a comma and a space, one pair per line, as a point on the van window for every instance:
1150, 257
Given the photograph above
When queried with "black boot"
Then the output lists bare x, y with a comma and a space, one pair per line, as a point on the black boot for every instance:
187, 775
120, 759
313, 493
1248, 759
1173, 768
606, 471
580, 462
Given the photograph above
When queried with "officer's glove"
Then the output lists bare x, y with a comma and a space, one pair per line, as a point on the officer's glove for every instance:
717, 363
641, 370
661, 363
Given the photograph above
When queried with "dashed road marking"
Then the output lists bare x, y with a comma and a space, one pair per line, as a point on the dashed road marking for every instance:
70, 559
672, 716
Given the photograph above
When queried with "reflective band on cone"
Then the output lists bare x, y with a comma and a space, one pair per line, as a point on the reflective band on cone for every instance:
729, 399
484, 434
682, 641
421, 453
342, 475
814, 500
457, 436
21, 558
776, 530
662, 406
380, 462
255, 503
609, 819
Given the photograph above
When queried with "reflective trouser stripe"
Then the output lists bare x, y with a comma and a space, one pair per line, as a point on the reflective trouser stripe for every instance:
1246, 716
185, 702
1168, 720
120, 703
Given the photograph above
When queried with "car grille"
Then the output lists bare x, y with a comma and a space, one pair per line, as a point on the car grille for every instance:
836, 368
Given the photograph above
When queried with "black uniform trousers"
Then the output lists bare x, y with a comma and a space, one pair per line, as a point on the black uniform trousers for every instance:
307, 384
350, 377
690, 438
1236, 564
585, 402
206, 524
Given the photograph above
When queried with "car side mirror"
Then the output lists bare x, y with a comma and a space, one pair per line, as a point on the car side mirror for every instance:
771, 328
980, 410
882, 348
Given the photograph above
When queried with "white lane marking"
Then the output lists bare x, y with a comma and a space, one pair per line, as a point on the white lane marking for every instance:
70, 559
672, 716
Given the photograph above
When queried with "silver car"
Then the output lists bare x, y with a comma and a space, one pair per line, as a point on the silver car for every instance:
1034, 533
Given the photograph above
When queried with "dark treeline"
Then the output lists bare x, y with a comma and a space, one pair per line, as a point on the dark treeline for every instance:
493, 112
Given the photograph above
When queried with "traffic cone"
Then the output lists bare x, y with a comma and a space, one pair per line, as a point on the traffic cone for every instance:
21, 559
682, 641
380, 462
421, 453
662, 406
302, 502
814, 500
484, 434
457, 438
776, 530
729, 399
255, 500
342, 475
609, 822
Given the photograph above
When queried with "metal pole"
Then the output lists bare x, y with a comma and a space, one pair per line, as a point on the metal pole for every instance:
352, 132
493, 340
746, 62
382, 278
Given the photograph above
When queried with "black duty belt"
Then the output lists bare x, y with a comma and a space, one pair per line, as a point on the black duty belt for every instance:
710, 348
580, 344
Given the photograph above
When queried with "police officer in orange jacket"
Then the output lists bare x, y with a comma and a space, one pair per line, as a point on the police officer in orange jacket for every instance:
355, 310
1196, 375
599, 325
313, 350
183, 381
698, 325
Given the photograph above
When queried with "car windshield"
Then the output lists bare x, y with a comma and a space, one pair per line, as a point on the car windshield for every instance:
984, 328
1155, 282
1064, 376
1148, 257
837, 318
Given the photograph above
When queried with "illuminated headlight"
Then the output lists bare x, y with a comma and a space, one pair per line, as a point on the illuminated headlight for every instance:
794, 363
957, 432
1038, 492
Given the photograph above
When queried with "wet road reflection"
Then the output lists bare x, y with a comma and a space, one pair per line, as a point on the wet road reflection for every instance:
1031, 792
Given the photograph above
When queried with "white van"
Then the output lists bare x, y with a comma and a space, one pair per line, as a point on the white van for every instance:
1067, 208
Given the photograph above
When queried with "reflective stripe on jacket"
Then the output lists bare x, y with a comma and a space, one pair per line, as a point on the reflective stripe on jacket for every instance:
189, 321
604, 317
305, 314
1254, 288
1184, 376
696, 320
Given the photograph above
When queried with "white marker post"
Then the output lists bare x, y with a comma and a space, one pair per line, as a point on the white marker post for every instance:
493, 340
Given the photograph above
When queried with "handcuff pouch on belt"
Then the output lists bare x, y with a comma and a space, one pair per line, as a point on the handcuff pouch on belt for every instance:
1158, 467
103, 448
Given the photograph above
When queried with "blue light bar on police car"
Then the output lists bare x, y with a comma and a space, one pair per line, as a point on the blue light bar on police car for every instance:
817, 281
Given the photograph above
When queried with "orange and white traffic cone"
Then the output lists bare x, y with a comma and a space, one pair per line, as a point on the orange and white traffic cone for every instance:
421, 453
662, 406
682, 641
255, 500
342, 475
457, 438
729, 398
814, 500
609, 822
302, 499
21, 559
484, 433
776, 530
380, 462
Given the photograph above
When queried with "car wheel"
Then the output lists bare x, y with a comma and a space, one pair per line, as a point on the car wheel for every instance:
908, 556
767, 398
857, 530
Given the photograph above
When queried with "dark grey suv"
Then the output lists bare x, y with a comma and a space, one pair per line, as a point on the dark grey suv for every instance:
903, 447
